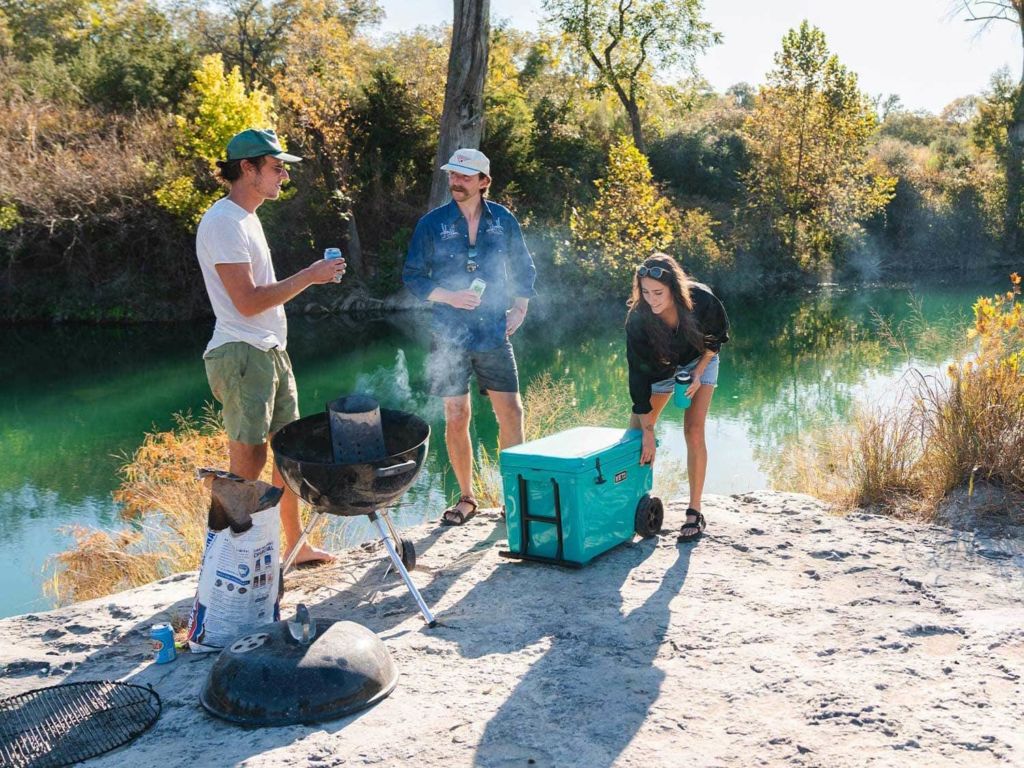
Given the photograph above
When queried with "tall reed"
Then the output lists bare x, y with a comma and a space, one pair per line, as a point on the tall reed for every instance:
165, 506
940, 435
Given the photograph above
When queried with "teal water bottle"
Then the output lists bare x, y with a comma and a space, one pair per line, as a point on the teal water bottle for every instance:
683, 382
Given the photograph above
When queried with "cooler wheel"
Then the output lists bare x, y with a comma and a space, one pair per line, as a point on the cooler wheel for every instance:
408, 554
649, 515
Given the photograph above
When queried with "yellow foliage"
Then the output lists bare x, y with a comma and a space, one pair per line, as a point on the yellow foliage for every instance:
629, 220
181, 197
218, 108
9, 217
697, 245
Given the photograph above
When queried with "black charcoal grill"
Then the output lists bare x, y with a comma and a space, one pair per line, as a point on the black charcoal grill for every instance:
356, 459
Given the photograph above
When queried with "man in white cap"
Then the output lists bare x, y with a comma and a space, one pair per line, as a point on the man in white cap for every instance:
468, 259
248, 368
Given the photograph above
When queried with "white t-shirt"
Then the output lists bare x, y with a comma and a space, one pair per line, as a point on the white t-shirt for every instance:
229, 234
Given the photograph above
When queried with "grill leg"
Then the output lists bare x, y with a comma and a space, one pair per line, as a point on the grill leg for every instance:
385, 536
314, 519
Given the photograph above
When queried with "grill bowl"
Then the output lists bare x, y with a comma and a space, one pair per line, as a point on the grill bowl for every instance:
303, 454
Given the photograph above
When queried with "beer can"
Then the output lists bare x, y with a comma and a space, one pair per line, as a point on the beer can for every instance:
163, 643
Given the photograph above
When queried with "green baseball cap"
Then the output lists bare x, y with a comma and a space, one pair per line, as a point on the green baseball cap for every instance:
258, 143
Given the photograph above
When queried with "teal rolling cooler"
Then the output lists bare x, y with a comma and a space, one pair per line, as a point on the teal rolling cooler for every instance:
573, 495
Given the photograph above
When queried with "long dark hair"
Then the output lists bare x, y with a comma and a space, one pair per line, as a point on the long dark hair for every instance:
678, 283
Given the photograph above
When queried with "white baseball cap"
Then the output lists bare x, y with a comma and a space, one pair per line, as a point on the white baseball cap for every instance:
468, 161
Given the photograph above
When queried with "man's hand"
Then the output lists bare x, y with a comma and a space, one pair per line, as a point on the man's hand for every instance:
466, 299
513, 319
325, 271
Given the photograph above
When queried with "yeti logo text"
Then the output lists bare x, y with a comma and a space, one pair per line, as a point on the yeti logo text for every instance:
448, 233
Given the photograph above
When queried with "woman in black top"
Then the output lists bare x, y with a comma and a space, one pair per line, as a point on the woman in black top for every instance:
674, 324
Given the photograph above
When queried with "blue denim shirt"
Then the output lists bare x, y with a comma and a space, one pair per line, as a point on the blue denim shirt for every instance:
438, 255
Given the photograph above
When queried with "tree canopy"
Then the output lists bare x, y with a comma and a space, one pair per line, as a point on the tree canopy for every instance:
627, 41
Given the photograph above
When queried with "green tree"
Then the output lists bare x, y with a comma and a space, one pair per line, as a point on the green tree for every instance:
628, 220
626, 41
811, 179
1012, 11
112, 53
989, 129
218, 107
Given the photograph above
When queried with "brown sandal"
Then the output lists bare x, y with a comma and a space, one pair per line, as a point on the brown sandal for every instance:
454, 516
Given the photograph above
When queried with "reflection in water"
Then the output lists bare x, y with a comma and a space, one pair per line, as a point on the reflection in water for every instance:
72, 400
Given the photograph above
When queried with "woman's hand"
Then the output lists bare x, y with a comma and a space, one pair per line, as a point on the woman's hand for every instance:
694, 386
648, 447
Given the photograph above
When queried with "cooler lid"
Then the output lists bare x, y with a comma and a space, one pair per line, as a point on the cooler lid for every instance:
572, 449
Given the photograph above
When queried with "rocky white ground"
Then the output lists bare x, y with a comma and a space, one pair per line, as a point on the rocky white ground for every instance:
787, 636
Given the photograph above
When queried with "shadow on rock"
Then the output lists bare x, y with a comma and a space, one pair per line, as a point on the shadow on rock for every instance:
593, 685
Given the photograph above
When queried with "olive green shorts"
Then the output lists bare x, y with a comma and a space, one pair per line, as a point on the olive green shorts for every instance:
256, 389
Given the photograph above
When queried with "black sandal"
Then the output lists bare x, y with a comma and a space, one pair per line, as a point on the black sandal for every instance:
454, 516
700, 524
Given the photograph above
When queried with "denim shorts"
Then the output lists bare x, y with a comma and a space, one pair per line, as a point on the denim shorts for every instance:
707, 379
450, 367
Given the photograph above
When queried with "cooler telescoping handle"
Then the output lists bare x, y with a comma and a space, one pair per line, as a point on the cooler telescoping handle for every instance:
395, 469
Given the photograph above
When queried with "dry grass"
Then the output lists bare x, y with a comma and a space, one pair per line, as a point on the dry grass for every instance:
549, 406
942, 434
101, 563
167, 506
870, 462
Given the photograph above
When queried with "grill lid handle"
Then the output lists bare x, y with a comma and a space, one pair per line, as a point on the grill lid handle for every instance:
301, 628
395, 469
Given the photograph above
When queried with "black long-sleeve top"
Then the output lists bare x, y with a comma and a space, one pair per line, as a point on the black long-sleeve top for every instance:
645, 368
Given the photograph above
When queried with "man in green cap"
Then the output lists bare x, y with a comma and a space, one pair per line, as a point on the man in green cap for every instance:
246, 362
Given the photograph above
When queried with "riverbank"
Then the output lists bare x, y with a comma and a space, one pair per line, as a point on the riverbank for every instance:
787, 635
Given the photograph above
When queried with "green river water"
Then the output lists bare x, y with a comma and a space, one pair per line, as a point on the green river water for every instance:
75, 400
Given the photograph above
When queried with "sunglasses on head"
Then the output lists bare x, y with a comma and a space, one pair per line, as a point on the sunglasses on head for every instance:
656, 272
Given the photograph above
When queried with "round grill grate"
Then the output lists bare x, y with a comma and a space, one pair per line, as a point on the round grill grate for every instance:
65, 724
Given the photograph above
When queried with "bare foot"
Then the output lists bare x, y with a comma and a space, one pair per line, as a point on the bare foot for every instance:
311, 554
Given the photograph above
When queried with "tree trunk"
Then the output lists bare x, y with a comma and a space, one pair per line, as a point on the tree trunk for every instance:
1015, 160
636, 126
462, 121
